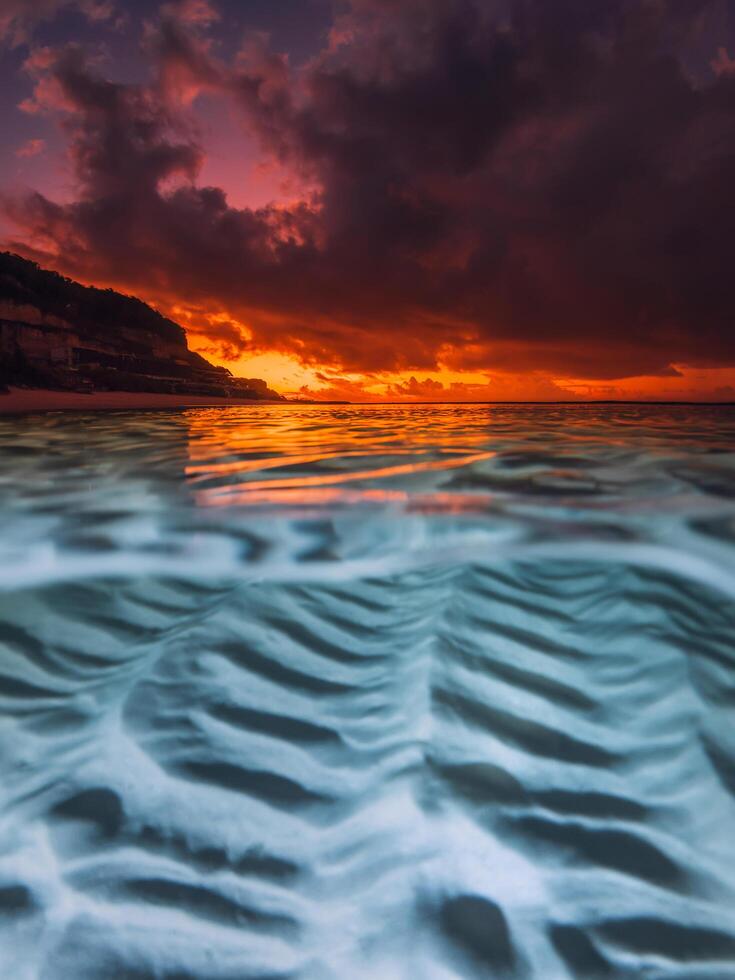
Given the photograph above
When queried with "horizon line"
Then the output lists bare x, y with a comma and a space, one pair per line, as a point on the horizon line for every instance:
561, 401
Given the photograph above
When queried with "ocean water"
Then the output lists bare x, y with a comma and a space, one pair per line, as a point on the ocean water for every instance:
382, 692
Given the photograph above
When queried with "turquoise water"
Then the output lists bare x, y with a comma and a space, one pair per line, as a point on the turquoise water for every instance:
372, 691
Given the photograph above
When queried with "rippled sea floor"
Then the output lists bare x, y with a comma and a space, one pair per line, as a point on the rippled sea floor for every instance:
368, 692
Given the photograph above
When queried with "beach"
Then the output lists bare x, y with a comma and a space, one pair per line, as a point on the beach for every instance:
18, 401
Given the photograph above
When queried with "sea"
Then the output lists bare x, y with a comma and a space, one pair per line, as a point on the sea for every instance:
376, 692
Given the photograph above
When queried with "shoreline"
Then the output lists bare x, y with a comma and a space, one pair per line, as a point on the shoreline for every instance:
23, 401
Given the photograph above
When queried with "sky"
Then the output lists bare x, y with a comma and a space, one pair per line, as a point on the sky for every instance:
421, 200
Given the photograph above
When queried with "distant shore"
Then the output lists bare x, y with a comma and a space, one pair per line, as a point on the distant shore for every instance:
22, 400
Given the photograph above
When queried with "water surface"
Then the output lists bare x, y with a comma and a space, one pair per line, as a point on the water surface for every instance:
376, 691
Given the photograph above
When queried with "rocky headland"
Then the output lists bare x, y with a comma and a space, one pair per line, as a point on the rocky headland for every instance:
58, 334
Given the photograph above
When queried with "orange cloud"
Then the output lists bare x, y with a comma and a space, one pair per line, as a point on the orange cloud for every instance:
31, 148
469, 216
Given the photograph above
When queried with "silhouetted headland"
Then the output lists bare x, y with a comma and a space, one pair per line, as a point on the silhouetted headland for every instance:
61, 339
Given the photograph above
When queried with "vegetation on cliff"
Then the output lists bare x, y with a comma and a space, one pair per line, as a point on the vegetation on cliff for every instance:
57, 333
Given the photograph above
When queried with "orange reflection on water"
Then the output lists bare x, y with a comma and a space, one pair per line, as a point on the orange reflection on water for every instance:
331, 479
329, 430
317, 449
445, 503
202, 471
431, 455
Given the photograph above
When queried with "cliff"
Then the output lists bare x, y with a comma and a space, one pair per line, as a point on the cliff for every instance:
56, 333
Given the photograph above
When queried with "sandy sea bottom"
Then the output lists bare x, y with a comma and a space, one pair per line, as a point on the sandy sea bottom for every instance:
371, 692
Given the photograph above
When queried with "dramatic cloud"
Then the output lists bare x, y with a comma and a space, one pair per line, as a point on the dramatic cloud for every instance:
498, 388
19, 18
31, 148
487, 186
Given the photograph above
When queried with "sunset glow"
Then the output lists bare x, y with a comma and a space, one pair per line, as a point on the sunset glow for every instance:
350, 208
367, 460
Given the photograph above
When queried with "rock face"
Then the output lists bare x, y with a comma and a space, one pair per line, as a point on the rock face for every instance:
56, 333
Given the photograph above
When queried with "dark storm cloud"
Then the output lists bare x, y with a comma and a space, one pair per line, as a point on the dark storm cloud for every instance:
514, 185
19, 18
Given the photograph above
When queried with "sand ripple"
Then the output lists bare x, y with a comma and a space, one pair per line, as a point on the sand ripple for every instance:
491, 746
